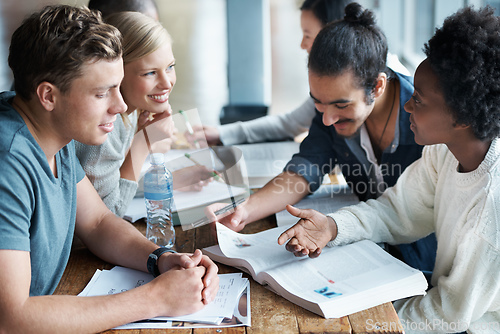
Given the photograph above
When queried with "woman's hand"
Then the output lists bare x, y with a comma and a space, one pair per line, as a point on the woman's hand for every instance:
147, 118
192, 178
160, 129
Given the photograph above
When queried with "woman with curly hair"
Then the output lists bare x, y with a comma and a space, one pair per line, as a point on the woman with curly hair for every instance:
453, 190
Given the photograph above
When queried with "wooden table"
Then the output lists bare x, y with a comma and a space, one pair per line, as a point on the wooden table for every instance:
270, 313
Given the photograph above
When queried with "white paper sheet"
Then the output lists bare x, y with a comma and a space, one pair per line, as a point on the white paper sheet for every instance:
120, 279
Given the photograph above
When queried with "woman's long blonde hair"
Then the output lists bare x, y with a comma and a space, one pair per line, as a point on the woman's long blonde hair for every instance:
142, 35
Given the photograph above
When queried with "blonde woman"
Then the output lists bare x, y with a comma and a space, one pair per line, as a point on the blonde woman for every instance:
149, 65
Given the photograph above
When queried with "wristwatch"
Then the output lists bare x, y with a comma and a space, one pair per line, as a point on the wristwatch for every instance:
152, 263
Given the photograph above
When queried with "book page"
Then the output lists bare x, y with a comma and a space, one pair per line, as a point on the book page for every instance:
260, 250
264, 161
213, 192
341, 271
185, 200
282, 150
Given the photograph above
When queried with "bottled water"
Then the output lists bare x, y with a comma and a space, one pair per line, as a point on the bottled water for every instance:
158, 195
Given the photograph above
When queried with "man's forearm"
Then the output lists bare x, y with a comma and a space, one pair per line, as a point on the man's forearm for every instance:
119, 242
64, 314
286, 188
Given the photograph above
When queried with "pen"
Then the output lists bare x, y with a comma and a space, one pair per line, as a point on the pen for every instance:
205, 220
214, 174
189, 127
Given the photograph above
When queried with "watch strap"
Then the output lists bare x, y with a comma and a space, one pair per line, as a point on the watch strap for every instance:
152, 263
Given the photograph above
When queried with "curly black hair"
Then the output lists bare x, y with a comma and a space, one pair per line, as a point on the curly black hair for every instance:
465, 55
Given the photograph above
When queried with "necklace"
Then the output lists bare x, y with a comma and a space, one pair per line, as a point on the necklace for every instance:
389, 117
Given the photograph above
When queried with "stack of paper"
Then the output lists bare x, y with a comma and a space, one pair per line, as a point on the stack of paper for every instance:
231, 306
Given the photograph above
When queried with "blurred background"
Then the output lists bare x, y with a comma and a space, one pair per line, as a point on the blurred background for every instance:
247, 52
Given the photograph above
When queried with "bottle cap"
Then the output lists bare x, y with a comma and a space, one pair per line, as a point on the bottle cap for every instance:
157, 158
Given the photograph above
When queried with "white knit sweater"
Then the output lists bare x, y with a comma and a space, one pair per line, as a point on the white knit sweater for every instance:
463, 209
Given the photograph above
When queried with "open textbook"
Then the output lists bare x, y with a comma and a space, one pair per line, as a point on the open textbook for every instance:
341, 281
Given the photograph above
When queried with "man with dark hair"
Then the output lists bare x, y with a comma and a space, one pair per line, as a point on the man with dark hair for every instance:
67, 68
453, 190
360, 125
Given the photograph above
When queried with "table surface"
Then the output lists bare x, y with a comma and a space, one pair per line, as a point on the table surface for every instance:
270, 313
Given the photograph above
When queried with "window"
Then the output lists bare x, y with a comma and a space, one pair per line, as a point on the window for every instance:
409, 24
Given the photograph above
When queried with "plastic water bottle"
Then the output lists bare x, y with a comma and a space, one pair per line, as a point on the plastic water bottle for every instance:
158, 195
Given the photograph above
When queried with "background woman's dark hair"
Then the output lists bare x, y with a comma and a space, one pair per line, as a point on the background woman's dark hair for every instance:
465, 55
108, 7
354, 44
326, 11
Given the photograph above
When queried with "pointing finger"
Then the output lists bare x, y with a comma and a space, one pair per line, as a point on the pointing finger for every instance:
287, 235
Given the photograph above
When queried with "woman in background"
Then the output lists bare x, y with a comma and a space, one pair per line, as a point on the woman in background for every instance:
314, 15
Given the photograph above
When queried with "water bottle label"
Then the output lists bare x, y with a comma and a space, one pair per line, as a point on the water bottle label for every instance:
157, 196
